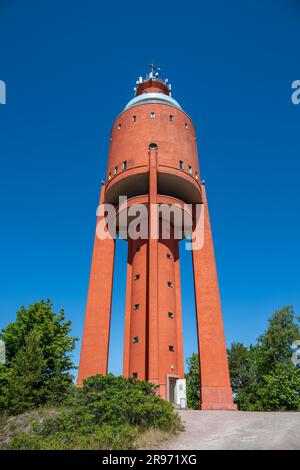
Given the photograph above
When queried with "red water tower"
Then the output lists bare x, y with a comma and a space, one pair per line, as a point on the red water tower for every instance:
153, 160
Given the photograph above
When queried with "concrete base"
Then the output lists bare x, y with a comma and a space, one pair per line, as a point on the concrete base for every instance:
217, 398
218, 406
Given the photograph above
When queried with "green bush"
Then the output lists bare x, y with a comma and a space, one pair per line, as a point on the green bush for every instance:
103, 437
106, 413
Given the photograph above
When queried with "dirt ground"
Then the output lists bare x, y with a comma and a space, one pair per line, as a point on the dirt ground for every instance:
237, 430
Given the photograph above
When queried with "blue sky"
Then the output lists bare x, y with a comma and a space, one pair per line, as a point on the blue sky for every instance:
70, 68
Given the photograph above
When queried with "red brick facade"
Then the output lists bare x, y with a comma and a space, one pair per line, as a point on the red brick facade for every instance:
153, 159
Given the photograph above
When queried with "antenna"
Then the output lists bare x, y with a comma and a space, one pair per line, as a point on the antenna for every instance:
154, 70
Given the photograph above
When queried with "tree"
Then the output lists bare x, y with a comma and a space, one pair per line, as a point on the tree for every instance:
240, 366
263, 376
275, 344
57, 344
281, 390
26, 378
193, 382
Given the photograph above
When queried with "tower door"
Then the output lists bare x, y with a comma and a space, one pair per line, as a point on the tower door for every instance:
172, 387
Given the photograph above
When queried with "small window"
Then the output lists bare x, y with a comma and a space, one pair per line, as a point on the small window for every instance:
169, 256
170, 284
109, 176
134, 375
124, 165
171, 118
119, 126
181, 164
136, 277
135, 339
133, 118
190, 170
153, 146
196, 175
136, 307
152, 115
171, 348
115, 170
186, 125
170, 314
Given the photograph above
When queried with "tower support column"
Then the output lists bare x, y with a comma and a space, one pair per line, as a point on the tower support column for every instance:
215, 387
95, 341
152, 303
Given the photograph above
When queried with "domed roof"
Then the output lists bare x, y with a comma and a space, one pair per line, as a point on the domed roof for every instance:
149, 98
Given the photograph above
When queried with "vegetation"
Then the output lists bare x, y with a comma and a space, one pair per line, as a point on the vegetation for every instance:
192, 382
263, 377
38, 363
107, 413
42, 409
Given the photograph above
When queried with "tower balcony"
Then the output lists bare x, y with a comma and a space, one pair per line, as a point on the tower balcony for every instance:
171, 182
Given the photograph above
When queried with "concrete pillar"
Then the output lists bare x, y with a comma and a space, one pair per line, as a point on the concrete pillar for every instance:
215, 384
95, 341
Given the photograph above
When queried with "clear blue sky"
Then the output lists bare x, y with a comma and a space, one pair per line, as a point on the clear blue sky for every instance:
70, 68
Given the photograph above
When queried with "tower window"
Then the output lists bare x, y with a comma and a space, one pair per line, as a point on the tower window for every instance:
186, 125
190, 170
171, 118
134, 375
152, 115
135, 339
124, 165
136, 307
115, 170
170, 314
119, 126
136, 277
133, 118
181, 164
153, 146
171, 348
170, 284
196, 175
169, 256
109, 176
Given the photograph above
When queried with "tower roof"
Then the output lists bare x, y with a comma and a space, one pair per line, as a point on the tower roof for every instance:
152, 89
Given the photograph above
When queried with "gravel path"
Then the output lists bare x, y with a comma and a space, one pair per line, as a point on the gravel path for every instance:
237, 430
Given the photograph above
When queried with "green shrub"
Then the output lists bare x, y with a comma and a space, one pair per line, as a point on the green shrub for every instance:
103, 437
107, 413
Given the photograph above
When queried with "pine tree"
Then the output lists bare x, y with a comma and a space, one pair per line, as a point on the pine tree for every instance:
26, 377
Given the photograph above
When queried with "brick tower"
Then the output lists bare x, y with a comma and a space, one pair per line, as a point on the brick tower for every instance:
153, 160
